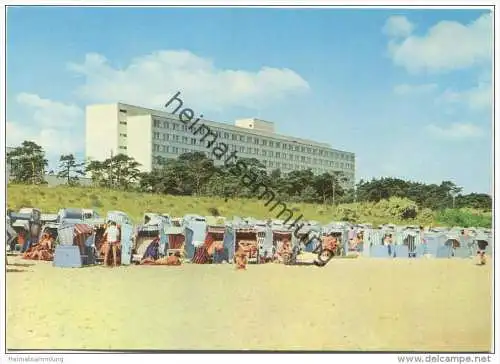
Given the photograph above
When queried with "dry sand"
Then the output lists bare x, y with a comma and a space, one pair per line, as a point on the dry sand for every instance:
351, 304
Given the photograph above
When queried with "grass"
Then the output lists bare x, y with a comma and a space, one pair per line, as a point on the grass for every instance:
51, 199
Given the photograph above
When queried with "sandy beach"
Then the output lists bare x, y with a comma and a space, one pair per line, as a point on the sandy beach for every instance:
351, 304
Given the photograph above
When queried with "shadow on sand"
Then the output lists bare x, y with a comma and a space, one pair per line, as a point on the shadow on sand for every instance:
24, 265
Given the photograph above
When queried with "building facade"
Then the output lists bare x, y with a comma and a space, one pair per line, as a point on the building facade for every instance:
147, 134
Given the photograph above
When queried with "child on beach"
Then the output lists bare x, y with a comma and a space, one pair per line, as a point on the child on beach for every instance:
481, 251
112, 235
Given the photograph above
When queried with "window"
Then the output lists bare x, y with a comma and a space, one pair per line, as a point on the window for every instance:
123, 122
278, 144
241, 149
256, 150
277, 154
174, 126
271, 164
302, 149
193, 141
226, 135
156, 135
176, 138
184, 139
156, 123
249, 139
166, 124
242, 138
165, 136
270, 153
290, 156
166, 149
184, 128
320, 152
308, 150
123, 111
264, 142
234, 137
271, 144
315, 151
256, 140
302, 159
123, 135
122, 147
156, 147
290, 147
264, 152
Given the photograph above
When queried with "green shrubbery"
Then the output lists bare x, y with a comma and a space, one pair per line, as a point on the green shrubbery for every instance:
464, 218
394, 210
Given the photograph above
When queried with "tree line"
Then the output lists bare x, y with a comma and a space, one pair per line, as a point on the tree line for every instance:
196, 174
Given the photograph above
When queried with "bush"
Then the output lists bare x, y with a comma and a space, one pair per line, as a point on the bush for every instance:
464, 218
395, 210
213, 211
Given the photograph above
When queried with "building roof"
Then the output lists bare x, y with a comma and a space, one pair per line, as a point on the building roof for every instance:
133, 110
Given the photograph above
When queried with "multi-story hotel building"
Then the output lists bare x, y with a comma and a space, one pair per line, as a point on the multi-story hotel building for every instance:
146, 134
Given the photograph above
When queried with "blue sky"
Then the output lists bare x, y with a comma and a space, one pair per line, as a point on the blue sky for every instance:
408, 91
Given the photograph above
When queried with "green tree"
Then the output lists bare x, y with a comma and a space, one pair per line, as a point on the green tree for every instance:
199, 169
70, 169
119, 171
28, 163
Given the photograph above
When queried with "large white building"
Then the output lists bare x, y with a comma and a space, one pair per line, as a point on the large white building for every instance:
146, 134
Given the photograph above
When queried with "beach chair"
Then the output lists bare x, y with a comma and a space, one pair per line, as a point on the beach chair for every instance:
444, 251
265, 243
401, 251
75, 246
175, 240
229, 243
379, 251
195, 233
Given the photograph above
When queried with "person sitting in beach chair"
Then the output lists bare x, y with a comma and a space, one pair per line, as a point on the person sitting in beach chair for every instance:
112, 236
330, 242
284, 251
241, 259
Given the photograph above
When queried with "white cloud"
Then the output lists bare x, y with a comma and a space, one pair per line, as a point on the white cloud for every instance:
455, 131
406, 89
476, 98
55, 126
448, 45
398, 26
151, 80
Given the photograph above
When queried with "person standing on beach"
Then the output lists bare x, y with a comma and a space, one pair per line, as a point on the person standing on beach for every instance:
112, 235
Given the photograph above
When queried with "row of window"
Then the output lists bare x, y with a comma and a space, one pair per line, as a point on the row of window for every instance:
254, 151
296, 158
294, 146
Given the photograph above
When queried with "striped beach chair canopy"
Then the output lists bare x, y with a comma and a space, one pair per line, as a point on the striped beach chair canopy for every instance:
49, 218
119, 217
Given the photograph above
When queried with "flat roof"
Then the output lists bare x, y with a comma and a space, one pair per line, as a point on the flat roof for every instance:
139, 110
